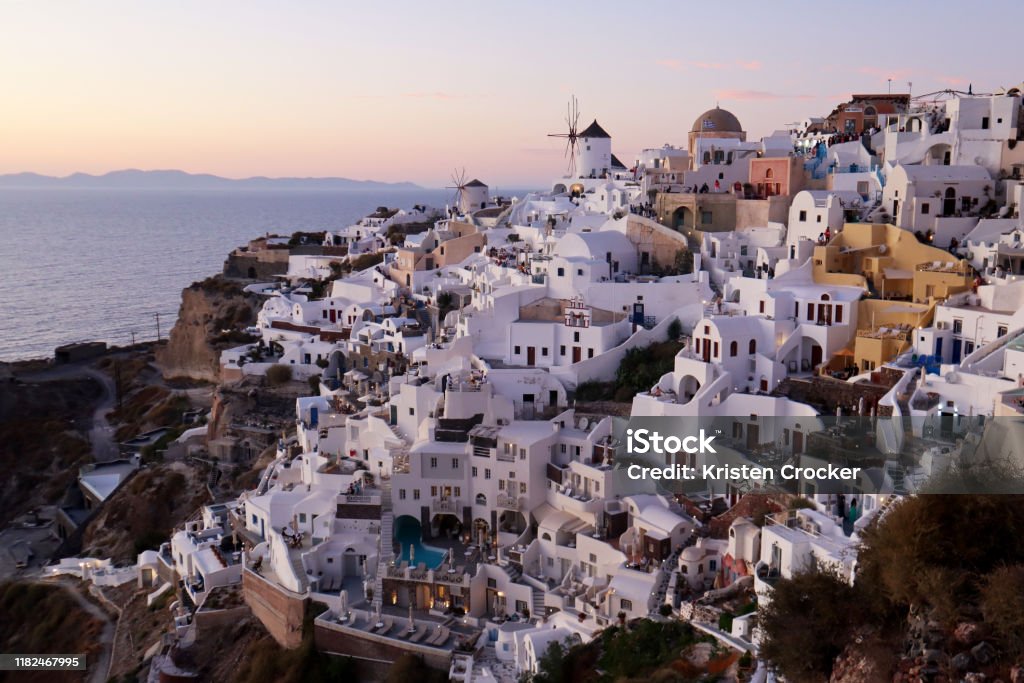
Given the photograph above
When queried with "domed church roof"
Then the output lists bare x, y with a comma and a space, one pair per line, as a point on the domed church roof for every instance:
717, 120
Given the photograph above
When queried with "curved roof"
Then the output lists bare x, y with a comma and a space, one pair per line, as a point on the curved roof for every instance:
717, 120
593, 245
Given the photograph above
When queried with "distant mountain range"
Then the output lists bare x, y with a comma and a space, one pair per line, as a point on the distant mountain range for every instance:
180, 180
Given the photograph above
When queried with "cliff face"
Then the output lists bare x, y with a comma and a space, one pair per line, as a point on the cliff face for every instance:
211, 318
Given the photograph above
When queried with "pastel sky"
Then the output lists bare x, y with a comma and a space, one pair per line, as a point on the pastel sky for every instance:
408, 90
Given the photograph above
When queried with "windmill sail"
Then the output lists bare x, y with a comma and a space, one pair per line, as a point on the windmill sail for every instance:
572, 120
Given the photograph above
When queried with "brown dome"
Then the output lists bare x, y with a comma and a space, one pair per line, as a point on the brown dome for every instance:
717, 120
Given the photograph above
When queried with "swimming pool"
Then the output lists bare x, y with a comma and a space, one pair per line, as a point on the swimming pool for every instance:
408, 535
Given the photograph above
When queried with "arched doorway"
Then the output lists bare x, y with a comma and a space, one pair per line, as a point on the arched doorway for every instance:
682, 219
688, 388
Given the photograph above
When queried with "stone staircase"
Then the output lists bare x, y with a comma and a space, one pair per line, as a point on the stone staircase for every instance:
386, 553
300, 571
537, 609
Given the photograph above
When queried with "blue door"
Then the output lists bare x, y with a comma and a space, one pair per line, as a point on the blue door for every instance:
957, 343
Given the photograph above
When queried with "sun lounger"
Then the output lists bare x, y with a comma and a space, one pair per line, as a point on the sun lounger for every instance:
439, 636
418, 636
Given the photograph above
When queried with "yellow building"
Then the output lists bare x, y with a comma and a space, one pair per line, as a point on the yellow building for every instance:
891, 263
904, 278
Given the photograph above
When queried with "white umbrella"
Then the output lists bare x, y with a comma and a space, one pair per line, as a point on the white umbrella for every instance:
412, 553
344, 602
412, 624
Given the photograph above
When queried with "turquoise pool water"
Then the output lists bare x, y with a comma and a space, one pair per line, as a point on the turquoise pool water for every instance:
408, 535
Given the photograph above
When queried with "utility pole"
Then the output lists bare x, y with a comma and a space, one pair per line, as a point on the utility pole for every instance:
133, 337
157, 326
117, 383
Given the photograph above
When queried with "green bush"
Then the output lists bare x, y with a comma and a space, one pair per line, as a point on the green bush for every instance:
279, 374
675, 328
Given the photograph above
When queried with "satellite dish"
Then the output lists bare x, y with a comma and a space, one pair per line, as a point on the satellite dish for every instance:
952, 377
882, 248
584, 423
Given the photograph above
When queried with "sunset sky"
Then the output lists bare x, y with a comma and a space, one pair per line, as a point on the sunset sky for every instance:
408, 90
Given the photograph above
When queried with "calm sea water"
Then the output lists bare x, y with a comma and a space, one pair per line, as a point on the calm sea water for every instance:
99, 264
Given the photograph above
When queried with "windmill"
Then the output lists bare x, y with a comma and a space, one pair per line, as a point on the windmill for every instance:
459, 185
572, 120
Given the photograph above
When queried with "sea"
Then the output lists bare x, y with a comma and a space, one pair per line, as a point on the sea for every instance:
102, 264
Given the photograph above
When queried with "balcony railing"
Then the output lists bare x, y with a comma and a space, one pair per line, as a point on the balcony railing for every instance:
508, 502
448, 505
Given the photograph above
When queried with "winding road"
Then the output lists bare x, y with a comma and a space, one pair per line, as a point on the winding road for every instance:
101, 434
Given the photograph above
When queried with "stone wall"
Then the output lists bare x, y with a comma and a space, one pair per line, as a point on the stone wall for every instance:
280, 610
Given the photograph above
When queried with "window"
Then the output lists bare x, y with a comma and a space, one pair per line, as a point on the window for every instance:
626, 605
516, 351
958, 326
544, 351
433, 492
752, 347
575, 336
837, 313
487, 474
984, 123
590, 353
817, 218
803, 216
712, 565
563, 447
810, 311
1001, 331
415, 494
734, 348
522, 488
501, 484
760, 306
561, 350
475, 471
433, 462
705, 217
457, 491
925, 208
455, 463
412, 411
579, 271
302, 518
401, 494
561, 272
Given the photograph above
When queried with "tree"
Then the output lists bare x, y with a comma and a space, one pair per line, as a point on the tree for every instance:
810, 619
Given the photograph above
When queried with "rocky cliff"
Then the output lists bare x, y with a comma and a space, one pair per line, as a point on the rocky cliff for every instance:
211, 318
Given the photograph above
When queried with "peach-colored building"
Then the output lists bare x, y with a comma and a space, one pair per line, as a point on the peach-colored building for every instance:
776, 176
438, 249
